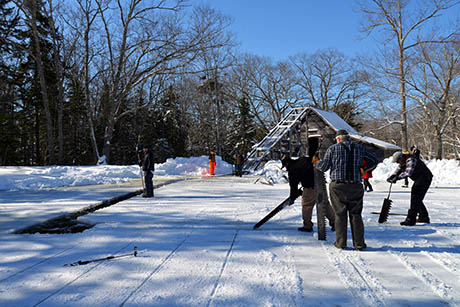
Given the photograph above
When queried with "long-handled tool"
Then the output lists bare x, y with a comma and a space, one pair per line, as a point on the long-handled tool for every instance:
391, 213
82, 262
141, 174
277, 209
386, 207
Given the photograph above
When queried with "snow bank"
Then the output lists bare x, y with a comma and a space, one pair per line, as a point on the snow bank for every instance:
46, 177
195, 166
445, 172
23, 177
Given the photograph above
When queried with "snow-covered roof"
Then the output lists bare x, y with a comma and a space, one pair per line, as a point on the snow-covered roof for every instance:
336, 123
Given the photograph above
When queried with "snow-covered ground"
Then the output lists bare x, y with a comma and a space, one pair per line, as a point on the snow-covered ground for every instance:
197, 246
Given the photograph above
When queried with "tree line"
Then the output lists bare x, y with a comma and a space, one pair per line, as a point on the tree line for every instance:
88, 81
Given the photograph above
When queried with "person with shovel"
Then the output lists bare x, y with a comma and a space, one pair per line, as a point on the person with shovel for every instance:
344, 160
414, 168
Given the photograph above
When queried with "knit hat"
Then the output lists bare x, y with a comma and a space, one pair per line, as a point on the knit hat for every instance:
396, 156
284, 161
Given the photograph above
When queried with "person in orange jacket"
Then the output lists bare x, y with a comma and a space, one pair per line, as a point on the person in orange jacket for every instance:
212, 162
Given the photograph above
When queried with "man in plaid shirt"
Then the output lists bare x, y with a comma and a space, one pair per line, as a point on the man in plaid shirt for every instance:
344, 160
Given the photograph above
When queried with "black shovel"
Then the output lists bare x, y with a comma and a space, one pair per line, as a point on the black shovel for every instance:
386, 207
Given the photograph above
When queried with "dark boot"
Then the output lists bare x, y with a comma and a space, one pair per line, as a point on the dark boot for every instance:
360, 248
332, 226
424, 220
408, 222
305, 229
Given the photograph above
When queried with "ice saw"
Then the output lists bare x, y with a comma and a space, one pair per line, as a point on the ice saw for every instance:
276, 210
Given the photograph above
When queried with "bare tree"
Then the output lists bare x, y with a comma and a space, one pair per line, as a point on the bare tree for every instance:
140, 41
401, 20
212, 65
330, 82
269, 88
84, 25
435, 82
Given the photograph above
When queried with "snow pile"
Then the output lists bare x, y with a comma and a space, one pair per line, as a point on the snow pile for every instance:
24, 177
46, 177
272, 172
445, 172
195, 166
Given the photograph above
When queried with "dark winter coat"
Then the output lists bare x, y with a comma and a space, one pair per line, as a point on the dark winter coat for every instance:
239, 159
412, 167
147, 162
415, 151
299, 170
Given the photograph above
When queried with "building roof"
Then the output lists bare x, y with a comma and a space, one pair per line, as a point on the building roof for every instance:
336, 123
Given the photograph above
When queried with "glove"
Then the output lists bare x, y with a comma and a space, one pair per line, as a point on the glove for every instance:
391, 180
315, 159
291, 202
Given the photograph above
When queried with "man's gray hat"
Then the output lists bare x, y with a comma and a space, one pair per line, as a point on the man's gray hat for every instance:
342, 132
396, 156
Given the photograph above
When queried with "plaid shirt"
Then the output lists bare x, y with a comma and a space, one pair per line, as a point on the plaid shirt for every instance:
336, 159
406, 169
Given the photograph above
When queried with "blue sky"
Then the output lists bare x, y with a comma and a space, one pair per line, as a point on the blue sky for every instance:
282, 28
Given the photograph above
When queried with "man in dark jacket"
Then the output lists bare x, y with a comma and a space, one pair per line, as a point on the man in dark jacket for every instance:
344, 160
148, 166
301, 171
414, 168
239, 160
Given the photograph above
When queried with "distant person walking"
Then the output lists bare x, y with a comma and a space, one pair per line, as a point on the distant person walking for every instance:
414, 168
366, 176
344, 161
239, 160
212, 163
148, 166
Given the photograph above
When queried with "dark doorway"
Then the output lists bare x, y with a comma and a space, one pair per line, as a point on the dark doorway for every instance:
313, 145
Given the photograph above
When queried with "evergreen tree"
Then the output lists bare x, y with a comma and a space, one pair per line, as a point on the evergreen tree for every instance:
32, 119
128, 130
164, 127
77, 149
174, 123
244, 134
9, 129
